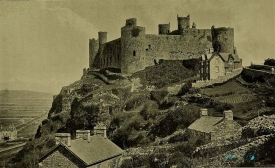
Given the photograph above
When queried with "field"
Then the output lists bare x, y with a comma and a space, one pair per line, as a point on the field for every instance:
230, 92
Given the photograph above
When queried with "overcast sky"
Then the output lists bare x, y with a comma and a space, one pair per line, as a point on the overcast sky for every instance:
44, 44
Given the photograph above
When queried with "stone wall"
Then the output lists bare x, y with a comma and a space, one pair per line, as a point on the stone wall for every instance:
225, 130
61, 158
253, 73
221, 79
111, 54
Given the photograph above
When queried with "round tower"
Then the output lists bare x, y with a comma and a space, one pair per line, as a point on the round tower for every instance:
132, 48
183, 23
92, 52
223, 39
164, 28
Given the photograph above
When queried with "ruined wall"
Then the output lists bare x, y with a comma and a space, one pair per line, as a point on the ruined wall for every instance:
111, 54
223, 39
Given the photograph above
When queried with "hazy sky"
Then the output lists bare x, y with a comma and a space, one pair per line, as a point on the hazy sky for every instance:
44, 44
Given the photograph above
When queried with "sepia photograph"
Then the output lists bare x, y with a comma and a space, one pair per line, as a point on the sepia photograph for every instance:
137, 83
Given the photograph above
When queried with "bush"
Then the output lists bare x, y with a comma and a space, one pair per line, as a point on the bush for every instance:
178, 138
159, 96
270, 62
134, 102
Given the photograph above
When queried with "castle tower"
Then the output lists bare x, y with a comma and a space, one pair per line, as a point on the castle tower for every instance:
164, 28
102, 38
92, 52
223, 39
183, 23
131, 22
132, 47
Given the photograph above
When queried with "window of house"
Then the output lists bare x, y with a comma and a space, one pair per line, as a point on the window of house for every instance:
134, 53
217, 61
216, 69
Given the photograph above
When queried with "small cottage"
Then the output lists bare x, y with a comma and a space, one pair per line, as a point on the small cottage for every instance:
214, 128
95, 151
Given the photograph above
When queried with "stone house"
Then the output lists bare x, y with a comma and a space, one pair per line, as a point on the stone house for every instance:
214, 128
217, 64
95, 151
7, 134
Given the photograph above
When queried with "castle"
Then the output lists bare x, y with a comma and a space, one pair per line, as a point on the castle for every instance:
136, 50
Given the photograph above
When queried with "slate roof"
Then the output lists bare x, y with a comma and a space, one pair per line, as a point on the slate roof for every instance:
225, 56
205, 124
99, 149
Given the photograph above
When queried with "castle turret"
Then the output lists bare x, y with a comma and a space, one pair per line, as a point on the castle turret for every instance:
164, 28
132, 46
223, 39
131, 22
92, 52
194, 25
183, 23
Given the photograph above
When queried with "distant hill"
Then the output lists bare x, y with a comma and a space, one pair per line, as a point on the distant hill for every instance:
23, 103
23, 94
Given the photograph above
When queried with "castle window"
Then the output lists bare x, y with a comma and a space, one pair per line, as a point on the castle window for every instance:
134, 53
149, 46
117, 57
168, 31
219, 37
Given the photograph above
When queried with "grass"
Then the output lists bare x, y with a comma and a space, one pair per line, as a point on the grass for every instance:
230, 87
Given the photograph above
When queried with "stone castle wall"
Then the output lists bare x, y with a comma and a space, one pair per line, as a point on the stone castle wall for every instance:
111, 56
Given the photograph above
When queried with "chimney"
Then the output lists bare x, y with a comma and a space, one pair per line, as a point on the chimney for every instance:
64, 138
228, 115
203, 112
83, 134
100, 129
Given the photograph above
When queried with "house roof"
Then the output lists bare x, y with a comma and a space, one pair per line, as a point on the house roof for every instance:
205, 123
225, 56
98, 150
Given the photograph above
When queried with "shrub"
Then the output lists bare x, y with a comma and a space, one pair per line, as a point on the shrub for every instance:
178, 138
270, 62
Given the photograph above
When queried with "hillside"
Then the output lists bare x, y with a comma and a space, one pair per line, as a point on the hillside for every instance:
150, 120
